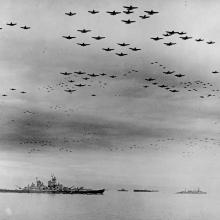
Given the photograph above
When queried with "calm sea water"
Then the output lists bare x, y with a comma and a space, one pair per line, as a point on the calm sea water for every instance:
111, 205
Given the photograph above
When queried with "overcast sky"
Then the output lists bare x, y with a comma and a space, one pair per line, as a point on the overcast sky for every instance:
125, 127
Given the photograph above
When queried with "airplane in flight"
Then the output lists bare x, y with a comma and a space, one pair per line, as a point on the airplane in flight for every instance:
215, 72
70, 13
66, 73
156, 38
93, 12
179, 75
113, 12
93, 75
151, 12
25, 27
107, 49
170, 44
128, 12
70, 90
128, 21
98, 38
80, 72
130, 7
84, 31
68, 37
168, 72
144, 16
83, 44
121, 54
210, 42
123, 44
134, 49
11, 24
199, 40
186, 38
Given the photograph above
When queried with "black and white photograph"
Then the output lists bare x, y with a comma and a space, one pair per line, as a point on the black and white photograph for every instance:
109, 109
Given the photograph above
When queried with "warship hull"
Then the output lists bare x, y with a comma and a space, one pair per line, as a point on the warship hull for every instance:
84, 191
195, 193
192, 192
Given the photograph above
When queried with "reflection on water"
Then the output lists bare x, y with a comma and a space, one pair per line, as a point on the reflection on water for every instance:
112, 205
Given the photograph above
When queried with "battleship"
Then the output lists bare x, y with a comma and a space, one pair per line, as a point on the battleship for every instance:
53, 187
198, 191
145, 190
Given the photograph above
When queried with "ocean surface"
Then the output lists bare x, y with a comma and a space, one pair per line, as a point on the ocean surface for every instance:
111, 205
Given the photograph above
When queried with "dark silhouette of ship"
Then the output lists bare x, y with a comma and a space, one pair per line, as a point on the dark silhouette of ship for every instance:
123, 190
145, 190
53, 187
198, 191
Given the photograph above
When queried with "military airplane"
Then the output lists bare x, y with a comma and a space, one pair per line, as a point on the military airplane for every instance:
170, 44
68, 37
128, 12
98, 38
80, 85
210, 42
171, 32
151, 12
70, 13
113, 12
134, 48
93, 75
130, 7
25, 27
144, 16
215, 72
185, 38
66, 73
168, 72
83, 44
70, 90
85, 78
150, 79
179, 75
156, 38
128, 21
93, 12
121, 54
11, 24
84, 31
198, 40
123, 44
80, 72
107, 49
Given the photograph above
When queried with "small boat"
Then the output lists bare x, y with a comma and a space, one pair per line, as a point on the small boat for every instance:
122, 190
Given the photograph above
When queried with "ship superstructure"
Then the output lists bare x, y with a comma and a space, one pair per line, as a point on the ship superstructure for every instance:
198, 191
52, 187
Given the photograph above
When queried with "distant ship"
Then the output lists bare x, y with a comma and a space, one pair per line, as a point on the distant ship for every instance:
198, 191
53, 187
145, 190
122, 190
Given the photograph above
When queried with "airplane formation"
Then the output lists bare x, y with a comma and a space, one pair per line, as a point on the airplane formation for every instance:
172, 82
179, 35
